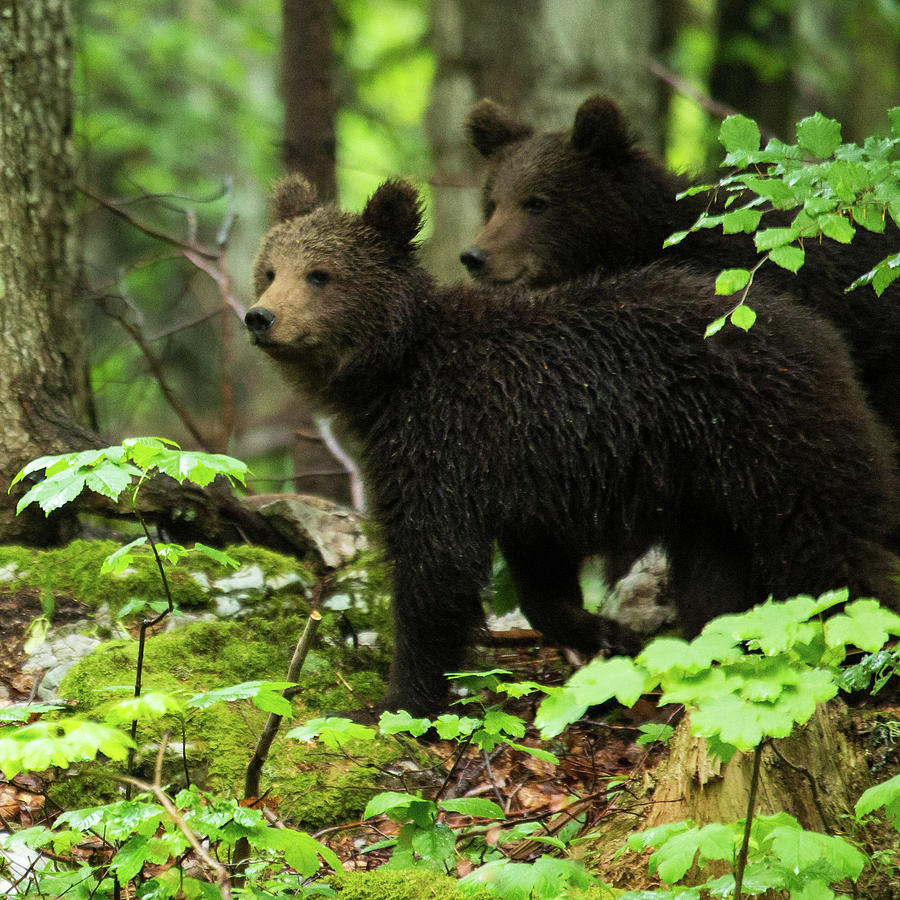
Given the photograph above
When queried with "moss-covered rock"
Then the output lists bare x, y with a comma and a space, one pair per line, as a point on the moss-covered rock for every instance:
402, 884
74, 570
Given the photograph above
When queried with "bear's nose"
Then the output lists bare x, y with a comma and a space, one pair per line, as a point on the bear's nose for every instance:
259, 319
474, 259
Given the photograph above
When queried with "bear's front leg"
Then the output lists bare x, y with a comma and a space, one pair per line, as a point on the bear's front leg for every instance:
434, 618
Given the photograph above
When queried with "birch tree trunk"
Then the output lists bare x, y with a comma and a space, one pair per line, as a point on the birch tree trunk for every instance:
43, 386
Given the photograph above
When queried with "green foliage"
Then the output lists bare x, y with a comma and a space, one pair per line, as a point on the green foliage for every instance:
783, 857
547, 878
745, 678
834, 187
40, 745
111, 471
142, 831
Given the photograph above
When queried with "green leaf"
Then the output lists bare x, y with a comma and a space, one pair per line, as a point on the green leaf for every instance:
545, 879
537, 752
53, 492
714, 326
894, 119
110, 479
739, 133
788, 257
435, 843
219, 556
819, 135
243, 691
400, 807
22, 712
769, 238
149, 706
117, 562
887, 795
864, 624
654, 731
270, 700
731, 280
450, 727
332, 731
473, 806
496, 721
134, 853
741, 220
675, 238
84, 740
301, 851
42, 462
394, 723
675, 856
798, 850
743, 317
595, 683
837, 228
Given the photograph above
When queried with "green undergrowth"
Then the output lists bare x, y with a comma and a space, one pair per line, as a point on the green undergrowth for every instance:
218, 740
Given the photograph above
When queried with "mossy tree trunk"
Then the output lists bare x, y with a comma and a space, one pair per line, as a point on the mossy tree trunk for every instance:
43, 386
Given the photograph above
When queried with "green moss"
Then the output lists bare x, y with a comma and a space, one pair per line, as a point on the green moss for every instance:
220, 739
402, 884
75, 570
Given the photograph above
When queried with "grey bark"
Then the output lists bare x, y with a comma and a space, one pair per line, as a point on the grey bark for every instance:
43, 388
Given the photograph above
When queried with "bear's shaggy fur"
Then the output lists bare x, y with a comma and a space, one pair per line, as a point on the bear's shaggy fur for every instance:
590, 417
561, 204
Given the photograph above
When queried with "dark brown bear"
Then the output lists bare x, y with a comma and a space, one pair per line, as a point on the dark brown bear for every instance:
590, 417
562, 204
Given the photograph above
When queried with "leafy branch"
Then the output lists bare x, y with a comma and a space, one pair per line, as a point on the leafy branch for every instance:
834, 187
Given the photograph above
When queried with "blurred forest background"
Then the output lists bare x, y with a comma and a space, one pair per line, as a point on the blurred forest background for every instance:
184, 111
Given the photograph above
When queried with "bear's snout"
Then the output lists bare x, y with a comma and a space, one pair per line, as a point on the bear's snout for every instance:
474, 259
259, 320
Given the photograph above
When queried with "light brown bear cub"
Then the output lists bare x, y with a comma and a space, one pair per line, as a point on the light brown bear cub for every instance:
584, 419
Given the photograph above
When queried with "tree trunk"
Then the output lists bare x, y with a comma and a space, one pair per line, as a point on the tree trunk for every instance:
816, 775
310, 107
43, 387
540, 59
307, 84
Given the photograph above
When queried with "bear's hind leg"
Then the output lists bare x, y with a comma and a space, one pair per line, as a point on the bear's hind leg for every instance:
709, 575
545, 576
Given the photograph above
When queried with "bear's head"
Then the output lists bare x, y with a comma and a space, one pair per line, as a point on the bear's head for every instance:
328, 282
556, 204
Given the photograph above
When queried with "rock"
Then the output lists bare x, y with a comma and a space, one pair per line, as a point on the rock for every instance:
334, 531
55, 657
639, 599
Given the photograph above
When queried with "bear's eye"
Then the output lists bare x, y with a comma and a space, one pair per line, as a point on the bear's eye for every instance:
269, 275
489, 208
318, 278
535, 205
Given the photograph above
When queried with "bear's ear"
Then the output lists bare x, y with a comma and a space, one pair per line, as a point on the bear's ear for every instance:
489, 127
395, 212
600, 130
291, 196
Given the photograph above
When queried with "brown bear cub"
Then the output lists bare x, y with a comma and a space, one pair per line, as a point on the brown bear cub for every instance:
587, 418
561, 204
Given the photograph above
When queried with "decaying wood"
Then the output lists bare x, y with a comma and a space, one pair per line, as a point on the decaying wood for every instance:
817, 774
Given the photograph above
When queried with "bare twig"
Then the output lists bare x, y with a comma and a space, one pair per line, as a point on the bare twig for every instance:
116, 209
156, 368
222, 877
261, 753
